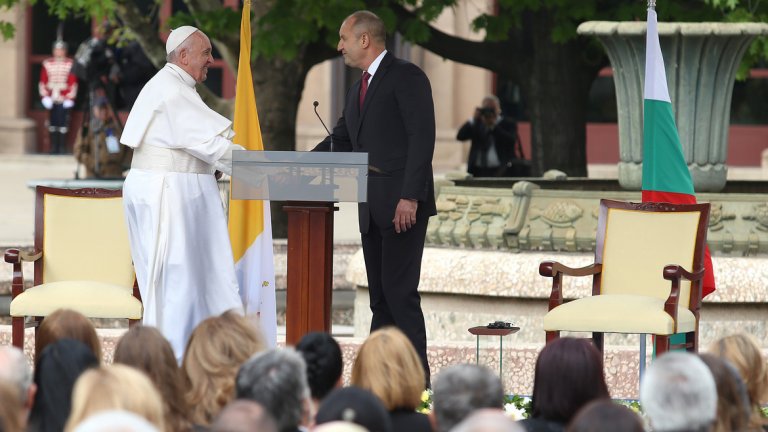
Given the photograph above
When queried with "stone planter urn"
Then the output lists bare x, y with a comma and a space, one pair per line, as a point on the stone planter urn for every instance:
701, 61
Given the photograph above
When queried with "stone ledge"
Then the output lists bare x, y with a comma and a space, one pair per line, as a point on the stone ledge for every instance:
477, 272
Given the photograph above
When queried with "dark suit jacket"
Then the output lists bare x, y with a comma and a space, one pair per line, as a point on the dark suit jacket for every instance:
396, 126
504, 136
409, 420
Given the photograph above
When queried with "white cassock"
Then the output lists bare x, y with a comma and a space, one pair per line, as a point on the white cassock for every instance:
176, 222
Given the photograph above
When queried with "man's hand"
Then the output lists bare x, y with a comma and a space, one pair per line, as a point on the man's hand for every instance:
477, 117
405, 215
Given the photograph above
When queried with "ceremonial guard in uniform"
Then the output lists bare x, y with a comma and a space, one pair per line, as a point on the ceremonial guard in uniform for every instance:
58, 89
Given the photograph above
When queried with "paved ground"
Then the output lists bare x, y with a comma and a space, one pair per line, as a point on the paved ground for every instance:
17, 200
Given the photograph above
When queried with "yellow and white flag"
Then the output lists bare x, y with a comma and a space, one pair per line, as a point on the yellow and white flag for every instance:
250, 225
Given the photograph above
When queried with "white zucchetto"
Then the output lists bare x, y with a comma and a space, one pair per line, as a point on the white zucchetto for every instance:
178, 36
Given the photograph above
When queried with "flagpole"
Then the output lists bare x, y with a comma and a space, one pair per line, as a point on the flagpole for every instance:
641, 360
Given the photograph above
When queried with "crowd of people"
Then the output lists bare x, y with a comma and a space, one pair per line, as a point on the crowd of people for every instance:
229, 381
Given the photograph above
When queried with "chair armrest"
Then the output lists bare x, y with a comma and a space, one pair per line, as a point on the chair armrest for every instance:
551, 268
555, 270
16, 257
12, 256
675, 273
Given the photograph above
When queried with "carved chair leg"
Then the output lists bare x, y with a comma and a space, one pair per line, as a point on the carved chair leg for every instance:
36, 321
598, 339
17, 332
691, 342
662, 345
552, 335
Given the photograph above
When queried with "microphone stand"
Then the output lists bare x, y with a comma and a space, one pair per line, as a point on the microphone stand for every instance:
315, 104
329, 178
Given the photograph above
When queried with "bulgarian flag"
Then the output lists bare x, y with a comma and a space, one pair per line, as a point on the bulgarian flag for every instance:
250, 223
665, 173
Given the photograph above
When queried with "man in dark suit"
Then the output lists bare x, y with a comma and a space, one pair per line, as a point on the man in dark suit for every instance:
493, 136
390, 115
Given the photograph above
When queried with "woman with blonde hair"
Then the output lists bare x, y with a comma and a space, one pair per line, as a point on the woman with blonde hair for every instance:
733, 408
67, 324
147, 350
388, 366
216, 349
115, 387
743, 352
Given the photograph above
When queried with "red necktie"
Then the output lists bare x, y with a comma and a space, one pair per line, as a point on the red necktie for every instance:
363, 88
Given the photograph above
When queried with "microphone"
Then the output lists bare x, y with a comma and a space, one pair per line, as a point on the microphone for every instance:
315, 104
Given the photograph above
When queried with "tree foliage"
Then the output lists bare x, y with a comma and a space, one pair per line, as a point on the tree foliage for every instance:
746, 11
533, 42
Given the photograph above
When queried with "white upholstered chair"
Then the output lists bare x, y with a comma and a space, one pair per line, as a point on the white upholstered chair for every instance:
647, 275
82, 260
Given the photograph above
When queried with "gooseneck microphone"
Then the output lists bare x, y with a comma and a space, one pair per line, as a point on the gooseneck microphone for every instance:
315, 104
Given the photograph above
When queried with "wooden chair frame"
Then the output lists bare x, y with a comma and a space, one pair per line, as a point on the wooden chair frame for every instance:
16, 257
672, 272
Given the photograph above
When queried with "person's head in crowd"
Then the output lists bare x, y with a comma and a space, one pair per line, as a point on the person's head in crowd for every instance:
733, 410
462, 389
15, 371
59, 365
322, 354
115, 387
354, 405
216, 349
488, 420
388, 366
277, 379
66, 324
569, 374
242, 415
116, 421
678, 393
339, 426
147, 350
10, 408
743, 352
604, 415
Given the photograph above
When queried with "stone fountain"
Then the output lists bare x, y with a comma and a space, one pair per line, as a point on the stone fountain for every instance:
701, 60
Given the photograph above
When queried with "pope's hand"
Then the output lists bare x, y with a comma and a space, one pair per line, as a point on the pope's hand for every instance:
47, 102
405, 215
68, 103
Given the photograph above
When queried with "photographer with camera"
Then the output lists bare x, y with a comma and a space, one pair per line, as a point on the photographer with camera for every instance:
494, 139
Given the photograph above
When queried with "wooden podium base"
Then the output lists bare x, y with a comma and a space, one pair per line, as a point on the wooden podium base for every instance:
310, 268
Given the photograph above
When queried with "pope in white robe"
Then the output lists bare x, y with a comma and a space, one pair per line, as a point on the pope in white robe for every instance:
176, 222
